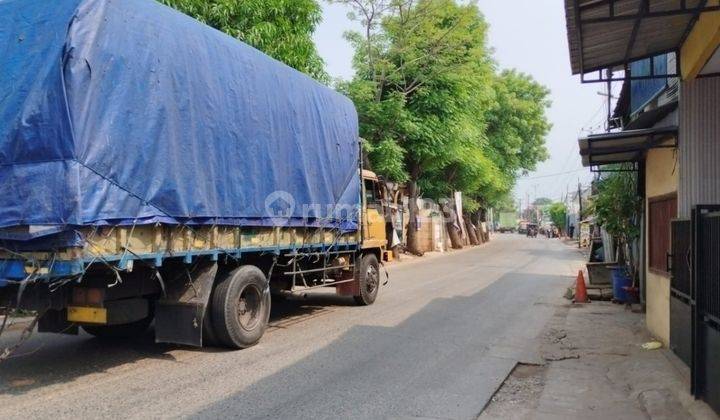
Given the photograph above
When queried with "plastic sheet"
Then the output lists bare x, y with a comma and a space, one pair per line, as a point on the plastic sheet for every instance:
126, 111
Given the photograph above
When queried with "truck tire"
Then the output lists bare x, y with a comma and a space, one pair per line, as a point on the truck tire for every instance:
368, 275
240, 307
132, 329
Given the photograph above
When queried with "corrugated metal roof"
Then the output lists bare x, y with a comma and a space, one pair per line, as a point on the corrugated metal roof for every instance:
635, 29
623, 146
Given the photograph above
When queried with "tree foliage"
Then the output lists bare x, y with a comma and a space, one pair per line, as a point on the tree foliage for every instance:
282, 29
617, 206
506, 203
433, 108
517, 124
558, 214
418, 76
617, 209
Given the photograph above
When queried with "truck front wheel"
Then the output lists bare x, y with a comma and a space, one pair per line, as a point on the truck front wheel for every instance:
240, 307
368, 275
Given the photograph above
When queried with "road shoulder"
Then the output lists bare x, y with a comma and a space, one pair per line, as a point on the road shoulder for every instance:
594, 366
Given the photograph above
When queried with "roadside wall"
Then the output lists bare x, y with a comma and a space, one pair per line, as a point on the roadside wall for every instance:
431, 232
661, 180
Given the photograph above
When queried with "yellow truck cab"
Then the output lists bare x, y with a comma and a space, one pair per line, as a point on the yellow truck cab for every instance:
373, 219
364, 281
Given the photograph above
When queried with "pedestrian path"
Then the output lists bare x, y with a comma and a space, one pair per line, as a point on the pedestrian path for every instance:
594, 367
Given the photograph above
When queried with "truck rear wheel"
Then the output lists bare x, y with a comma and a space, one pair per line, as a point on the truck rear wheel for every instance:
368, 274
240, 307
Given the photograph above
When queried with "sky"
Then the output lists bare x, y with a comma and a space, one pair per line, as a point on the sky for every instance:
528, 35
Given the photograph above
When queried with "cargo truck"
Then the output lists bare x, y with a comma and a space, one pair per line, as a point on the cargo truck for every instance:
155, 169
508, 222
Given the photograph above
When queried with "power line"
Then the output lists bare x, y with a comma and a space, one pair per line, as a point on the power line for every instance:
556, 174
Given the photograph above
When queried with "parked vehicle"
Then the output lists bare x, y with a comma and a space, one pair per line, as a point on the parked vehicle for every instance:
522, 227
182, 183
550, 231
508, 222
532, 230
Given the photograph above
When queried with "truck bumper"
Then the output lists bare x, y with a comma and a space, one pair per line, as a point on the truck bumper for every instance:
85, 315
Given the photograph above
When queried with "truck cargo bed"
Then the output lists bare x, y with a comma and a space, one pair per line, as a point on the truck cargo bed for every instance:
122, 246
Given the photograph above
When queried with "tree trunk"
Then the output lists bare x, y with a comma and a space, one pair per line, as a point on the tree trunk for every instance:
480, 234
476, 221
453, 231
472, 232
482, 218
412, 237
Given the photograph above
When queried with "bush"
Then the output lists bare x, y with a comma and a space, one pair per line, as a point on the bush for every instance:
617, 209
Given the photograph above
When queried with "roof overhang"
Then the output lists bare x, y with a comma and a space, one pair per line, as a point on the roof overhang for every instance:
652, 117
610, 34
624, 146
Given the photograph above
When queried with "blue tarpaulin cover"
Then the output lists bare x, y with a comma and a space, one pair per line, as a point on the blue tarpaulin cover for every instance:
126, 111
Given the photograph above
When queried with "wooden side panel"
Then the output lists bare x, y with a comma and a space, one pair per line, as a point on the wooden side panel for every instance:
157, 241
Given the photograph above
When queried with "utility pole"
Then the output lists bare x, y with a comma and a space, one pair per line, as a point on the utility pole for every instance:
567, 194
610, 97
580, 215
567, 211
527, 199
609, 94
580, 200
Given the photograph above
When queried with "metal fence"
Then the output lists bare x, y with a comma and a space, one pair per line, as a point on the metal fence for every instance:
708, 268
681, 290
706, 308
681, 237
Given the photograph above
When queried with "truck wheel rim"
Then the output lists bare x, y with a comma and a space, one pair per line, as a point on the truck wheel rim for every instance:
249, 307
371, 276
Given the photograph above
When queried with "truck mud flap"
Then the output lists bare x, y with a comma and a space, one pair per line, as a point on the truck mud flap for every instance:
179, 315
55, 321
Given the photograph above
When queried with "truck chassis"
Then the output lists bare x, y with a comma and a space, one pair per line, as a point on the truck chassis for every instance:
200, 284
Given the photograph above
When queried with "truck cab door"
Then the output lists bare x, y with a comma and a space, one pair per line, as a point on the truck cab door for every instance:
373, 216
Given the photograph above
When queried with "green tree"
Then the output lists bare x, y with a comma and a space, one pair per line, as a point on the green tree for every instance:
423, 75
506, 203
432, 107
282, 29
542, 201
558, 214
617, 209
513, 140
517, 123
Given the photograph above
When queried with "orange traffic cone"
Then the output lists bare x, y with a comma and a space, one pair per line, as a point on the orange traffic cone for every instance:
580, 290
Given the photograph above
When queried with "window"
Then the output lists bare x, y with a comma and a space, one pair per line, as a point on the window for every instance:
372, 196
661, 210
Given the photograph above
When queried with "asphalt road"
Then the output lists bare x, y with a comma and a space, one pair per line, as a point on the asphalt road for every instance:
439, 341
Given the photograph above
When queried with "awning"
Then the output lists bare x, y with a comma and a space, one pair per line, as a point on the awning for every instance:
612, 33
624, 146
649, 118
